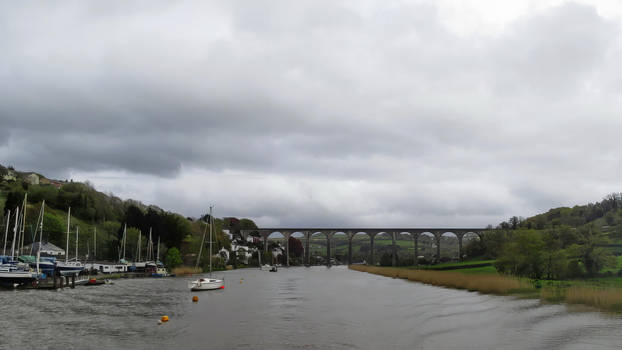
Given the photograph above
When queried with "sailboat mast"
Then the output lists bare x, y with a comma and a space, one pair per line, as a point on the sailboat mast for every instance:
19, 234
201, 247
14, 233
150, 252
94, 242
67, 248
6, 231
158, 257
211, 219
124, 239
77, 230
40, 235
21, 246
140, 233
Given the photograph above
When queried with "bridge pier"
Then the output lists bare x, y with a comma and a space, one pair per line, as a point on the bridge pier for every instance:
265, 243
307, 251
329, 239
287, 235
350, 236
371, 249
460, 248
327, 251
393, 250
437, 236
416, 239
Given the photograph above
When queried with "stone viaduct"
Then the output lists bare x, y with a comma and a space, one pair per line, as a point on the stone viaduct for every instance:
413, 233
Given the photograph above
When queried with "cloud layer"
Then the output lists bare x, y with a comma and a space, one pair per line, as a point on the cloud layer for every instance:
318, 113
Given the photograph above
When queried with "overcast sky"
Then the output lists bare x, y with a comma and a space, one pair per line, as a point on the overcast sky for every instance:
345, 113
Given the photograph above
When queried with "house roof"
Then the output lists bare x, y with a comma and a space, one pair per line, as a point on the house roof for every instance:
47, 246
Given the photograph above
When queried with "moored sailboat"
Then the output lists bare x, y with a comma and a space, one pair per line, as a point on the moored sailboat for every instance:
69, 267
207, 283
161, 271
14, 273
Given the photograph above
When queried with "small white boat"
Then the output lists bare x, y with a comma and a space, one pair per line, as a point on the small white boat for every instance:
206, 284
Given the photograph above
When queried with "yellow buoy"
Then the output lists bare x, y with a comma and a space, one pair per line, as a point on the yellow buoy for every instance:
164, 319
195, 298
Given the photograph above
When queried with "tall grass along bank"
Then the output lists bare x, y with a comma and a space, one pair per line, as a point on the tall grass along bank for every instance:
485, 283
602, 298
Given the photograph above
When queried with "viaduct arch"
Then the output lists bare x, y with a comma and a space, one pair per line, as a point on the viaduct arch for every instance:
413, 233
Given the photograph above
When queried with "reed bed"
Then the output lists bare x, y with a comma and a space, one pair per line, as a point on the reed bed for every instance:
186, 270
602, 298
492, 284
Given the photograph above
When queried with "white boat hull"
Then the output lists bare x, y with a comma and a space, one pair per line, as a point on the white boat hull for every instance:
69, 268
17, 277
206, 284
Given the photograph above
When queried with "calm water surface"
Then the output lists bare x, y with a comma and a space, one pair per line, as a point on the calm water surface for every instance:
296, 308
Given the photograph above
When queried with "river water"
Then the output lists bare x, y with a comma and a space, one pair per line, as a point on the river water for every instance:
296, 308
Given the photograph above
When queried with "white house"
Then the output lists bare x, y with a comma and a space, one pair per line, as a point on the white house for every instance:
242, 251
32, 179
47, 249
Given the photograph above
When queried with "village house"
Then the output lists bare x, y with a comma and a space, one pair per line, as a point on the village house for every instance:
47, 249
9, 176
32, 179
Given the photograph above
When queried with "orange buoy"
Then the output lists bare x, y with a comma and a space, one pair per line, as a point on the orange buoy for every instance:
195, 298
164, 319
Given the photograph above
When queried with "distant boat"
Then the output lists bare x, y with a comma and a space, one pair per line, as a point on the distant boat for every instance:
161, 271
207, 283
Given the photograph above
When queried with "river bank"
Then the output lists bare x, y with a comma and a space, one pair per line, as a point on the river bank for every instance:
605, 298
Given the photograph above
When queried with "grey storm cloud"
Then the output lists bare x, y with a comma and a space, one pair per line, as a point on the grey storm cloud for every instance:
381, 104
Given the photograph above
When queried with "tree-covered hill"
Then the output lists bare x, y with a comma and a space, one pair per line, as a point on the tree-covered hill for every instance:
604, 216
107, 215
